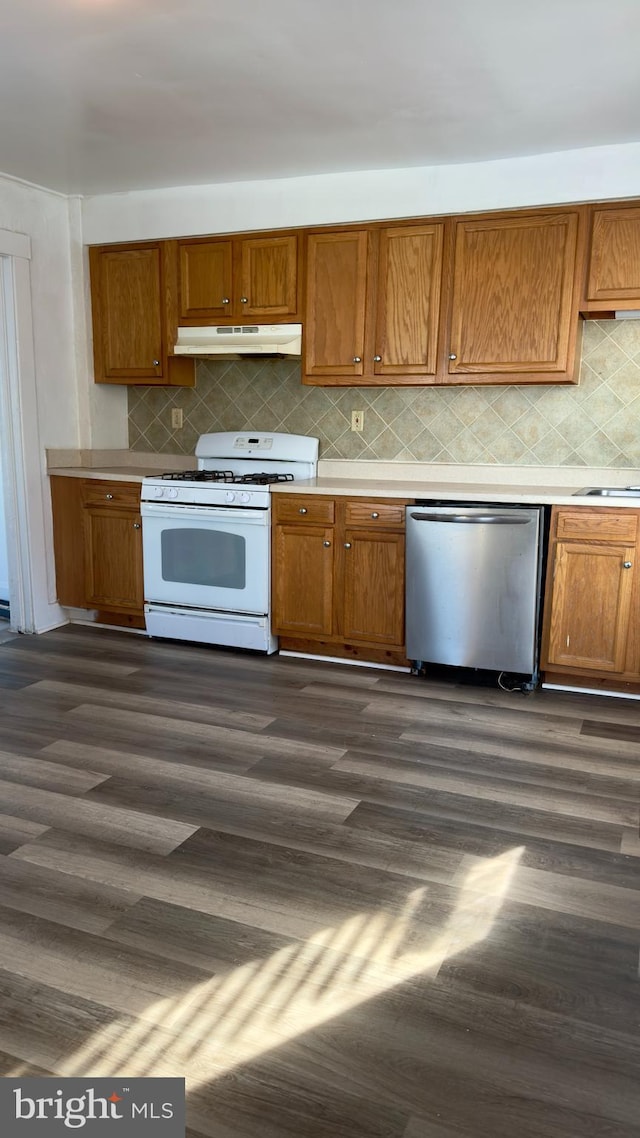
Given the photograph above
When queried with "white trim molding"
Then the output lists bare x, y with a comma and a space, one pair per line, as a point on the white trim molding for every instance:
33, 608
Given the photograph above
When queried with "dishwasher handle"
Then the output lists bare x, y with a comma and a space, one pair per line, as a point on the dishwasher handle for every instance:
474, 519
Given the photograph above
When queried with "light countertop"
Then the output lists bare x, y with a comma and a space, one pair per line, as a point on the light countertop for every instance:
508, 485
509, 494
114, 473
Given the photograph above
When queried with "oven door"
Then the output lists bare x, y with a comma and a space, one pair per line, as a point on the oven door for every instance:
206, 557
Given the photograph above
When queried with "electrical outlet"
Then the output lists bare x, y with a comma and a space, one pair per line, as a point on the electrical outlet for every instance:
357, 420
176, 418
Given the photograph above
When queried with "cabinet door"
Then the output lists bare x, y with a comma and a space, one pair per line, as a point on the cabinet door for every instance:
303, 558
513, 309
374, 587
113, 558
127, 313
335, 304
408, 308
68, 540
205, 280
614, 265
269, 277
590, 606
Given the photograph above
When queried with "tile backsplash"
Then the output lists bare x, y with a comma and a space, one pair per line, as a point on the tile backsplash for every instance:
596, 424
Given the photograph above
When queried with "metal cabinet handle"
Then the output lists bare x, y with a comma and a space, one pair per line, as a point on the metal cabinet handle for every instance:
109, 496
225, 300
347, 545
452, 356
156, 363
326, 544
357, 359
302, 510
377, 359
136, 525
244, 300
375, 515
626, 564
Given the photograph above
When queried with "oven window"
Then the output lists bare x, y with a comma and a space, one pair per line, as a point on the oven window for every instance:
204, 557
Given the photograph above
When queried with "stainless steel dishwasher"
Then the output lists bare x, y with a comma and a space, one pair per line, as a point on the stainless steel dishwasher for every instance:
473, 586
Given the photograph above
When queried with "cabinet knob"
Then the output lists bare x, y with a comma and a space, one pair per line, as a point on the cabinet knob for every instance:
302, 510
377, 359
326, 544
357, 359
244, 300
375, 515
156, 363
452, 356
626, 564
347, 545
136, 525
109, 496
225, 300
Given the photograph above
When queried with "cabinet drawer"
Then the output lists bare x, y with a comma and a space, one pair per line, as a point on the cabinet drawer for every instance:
307, 508
374, 514
111, 493
605, 525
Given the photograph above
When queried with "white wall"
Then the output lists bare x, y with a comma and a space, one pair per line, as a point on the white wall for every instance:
592, 174
4, 563
72, 410
43, 216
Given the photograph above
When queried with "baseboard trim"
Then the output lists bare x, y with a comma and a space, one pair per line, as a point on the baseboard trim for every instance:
592, 691
348, 660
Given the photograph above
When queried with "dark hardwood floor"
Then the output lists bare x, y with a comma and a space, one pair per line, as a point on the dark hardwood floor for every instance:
342, 902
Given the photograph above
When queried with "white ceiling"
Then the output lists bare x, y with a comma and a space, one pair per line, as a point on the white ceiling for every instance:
107, 95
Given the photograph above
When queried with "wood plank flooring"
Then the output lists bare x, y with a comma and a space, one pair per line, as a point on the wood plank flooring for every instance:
342, 902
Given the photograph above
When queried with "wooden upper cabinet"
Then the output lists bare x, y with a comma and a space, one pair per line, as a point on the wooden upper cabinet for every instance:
613, 279
134, 320
514, 308
205, 279
373, 305
335, 303
408, 300
127, 316
243, 279
269, 277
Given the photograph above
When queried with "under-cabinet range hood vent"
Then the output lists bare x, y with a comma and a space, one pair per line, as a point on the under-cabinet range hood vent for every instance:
230, 340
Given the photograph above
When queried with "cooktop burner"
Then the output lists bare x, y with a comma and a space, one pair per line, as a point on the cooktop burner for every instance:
260, 478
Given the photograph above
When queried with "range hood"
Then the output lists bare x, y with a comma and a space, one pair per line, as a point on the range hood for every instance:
233, 340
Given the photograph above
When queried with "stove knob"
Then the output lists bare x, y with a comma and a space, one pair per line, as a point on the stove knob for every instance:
244, 497
230, 496
172, 492
158, 492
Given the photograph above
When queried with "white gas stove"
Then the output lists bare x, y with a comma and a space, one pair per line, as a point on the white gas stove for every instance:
206, 538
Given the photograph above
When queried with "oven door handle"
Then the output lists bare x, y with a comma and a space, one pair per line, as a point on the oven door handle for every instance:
250, 515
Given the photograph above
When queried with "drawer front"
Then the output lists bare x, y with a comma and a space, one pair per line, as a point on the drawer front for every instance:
96, 492
603, 525
373, 514
305, 508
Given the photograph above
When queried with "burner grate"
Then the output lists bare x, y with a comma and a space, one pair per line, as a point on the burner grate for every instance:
262, 478
199, 476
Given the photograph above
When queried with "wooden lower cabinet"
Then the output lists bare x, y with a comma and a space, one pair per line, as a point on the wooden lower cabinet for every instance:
303, 572
592, 598
97, 533
338, 589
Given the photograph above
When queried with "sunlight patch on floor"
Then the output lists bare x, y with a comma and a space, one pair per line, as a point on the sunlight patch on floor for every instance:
233, 1018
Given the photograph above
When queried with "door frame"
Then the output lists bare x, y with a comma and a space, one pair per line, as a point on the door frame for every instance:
33, 609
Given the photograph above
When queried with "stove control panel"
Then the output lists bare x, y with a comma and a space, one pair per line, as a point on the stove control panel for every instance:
253, 442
